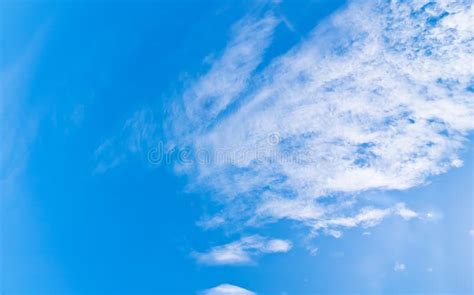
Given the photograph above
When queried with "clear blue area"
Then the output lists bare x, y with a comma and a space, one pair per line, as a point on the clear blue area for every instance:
64, 230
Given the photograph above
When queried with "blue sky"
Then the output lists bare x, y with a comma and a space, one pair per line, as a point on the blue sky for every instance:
236, 147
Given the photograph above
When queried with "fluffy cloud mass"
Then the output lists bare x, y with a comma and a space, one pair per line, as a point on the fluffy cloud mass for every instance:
378, 97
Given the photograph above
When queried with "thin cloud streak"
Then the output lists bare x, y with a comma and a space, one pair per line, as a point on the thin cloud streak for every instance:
243, 251
138, 134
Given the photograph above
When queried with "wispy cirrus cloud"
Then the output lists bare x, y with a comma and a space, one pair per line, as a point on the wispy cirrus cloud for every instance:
366, 217
19, 119
228, 78
243, 251
227, 289
138, 134
379, 97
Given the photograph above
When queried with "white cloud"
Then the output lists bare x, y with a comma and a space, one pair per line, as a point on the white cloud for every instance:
367, 217
471, 232
275, 246
211, 222
227, 289
379, 97
432, 215
399, 267
243, 251
334, 233
227, 78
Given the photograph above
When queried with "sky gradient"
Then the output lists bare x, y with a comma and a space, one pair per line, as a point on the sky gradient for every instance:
236, 147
